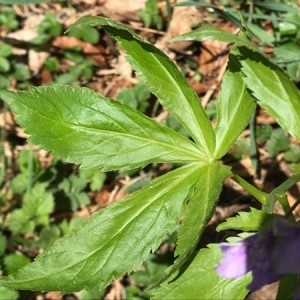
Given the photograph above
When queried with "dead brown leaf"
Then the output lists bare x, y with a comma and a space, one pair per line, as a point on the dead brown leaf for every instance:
122, 10
97, 53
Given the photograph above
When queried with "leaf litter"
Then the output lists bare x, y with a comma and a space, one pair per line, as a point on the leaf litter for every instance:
202, 63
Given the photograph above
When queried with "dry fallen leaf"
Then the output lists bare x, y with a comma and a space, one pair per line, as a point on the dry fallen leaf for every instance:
97, 53
36, 60
183, 20
122, 10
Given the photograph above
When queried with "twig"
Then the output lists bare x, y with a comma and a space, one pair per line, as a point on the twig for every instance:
210, 92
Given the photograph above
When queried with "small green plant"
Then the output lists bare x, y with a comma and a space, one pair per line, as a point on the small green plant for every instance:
86, 33
47, 29
8, 18
79, 67
10, 68
283, 21
136, 97
5, 52
75, 185
37, 205
150, 15
33, 195
83, 127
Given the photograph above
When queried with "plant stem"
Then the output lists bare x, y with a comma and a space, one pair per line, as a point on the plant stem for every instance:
30, 171
283, 200
251, 189
254, 154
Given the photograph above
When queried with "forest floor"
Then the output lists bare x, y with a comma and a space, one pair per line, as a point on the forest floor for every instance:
45, 55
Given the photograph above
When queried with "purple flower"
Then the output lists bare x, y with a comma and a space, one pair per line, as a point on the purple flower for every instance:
269, 254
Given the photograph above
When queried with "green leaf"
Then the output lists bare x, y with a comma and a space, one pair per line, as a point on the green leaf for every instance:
206, 32
91, 294
235, 107
28, 162
200, 280
87, 33
245, 221
136, 97
198, 212
3, 244
261, 34
82, 127
172, 122
142, 92
113, 241
127, 96
95, 177
36, 207
163, 79
239, 149
13, 262
150, 15
21, 72
48, 236
293, 154
274, 90
287, 52
272, 5
19, 183
20, 222
152, 270
278, 142
293, 69
4, 64
5, 50
38, 203
8, 18
263, 132
73, 187
8, 294
79, 200
4, 82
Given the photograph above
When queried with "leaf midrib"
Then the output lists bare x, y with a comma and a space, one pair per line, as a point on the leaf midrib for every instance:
166, 145
202, 141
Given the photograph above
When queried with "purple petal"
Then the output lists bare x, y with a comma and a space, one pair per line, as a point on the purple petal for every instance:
260, 248
269, 254
234, 262
286, 255
262, 277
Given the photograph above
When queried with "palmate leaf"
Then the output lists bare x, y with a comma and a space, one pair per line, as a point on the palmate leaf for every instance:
163, 79
274, 90
83, 127
198, 212
113, 241
201, 281
235, 107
